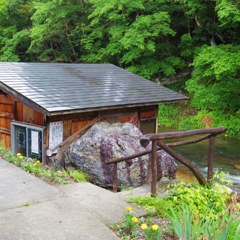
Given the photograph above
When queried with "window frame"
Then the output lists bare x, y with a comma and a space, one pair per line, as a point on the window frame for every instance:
28, 127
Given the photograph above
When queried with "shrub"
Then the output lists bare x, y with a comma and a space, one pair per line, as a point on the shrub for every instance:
209, 200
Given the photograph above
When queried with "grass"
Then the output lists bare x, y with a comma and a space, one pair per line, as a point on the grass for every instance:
36, 168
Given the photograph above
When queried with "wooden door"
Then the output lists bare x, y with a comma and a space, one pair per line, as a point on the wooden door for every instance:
6, 116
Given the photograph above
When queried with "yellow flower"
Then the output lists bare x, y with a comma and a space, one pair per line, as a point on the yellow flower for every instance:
144, 226
155, 227
129, 209
37, 161
134, 219
21, 157
34, 164
19, 154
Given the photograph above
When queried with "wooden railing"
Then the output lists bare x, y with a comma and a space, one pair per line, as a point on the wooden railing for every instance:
158, 144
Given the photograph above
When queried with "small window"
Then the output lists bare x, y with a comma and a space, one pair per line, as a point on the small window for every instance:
27, 140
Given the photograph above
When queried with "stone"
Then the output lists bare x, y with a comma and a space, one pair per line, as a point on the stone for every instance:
104, 142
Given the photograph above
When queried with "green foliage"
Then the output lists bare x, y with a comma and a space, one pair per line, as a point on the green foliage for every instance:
174, 116
184, 224
168, 116
78, 175
14, 29
133, 34
132, 227
36, 168
194, 121
215, 82
128, 229
188, 227
198, 212
130, 224
229, 16
152, 233
230, 121
56, 31
215, 86
203, 201
214, 119
159, 205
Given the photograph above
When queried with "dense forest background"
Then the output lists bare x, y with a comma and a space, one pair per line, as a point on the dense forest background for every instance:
192, 46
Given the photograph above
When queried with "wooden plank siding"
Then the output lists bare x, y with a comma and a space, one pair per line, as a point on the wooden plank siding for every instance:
148, 112
11, 110
6, 116
72, 122
77, 121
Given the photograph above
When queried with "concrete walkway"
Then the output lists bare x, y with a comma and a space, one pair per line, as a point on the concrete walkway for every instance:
107, 206
30, 209
18, 188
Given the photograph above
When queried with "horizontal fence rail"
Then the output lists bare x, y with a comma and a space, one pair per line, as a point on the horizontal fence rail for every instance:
157, 144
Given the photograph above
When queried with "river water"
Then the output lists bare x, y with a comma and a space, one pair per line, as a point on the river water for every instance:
226, 157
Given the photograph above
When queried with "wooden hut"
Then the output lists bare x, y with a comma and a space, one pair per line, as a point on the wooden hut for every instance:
42, 104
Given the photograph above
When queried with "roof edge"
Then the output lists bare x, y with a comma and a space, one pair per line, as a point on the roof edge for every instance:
55, 113
21, 98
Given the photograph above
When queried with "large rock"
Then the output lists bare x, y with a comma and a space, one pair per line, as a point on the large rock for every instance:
104, 142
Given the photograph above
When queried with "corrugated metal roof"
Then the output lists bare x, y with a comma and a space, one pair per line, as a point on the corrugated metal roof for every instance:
55, 87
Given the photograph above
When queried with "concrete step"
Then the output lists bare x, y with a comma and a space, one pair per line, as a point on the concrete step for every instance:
59, 219
18, 188
145, 190
107, 206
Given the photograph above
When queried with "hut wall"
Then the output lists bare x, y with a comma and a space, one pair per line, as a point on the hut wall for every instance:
6, 116
12, 110
143, 117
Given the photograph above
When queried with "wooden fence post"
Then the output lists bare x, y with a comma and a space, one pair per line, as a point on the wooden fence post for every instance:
210, 157
149, 170
154, 168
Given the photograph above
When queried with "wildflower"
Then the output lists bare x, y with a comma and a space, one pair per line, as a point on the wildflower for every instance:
144, 226
134, 219
34, 164
19, 154
129, 209
21, 157
37, 161
155, 227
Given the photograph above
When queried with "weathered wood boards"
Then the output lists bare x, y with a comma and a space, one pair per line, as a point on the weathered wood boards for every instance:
11, 110
6, 116
75, 135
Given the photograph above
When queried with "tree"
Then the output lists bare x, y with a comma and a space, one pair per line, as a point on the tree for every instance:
215, 82
57, 29
132, 34
14, 29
